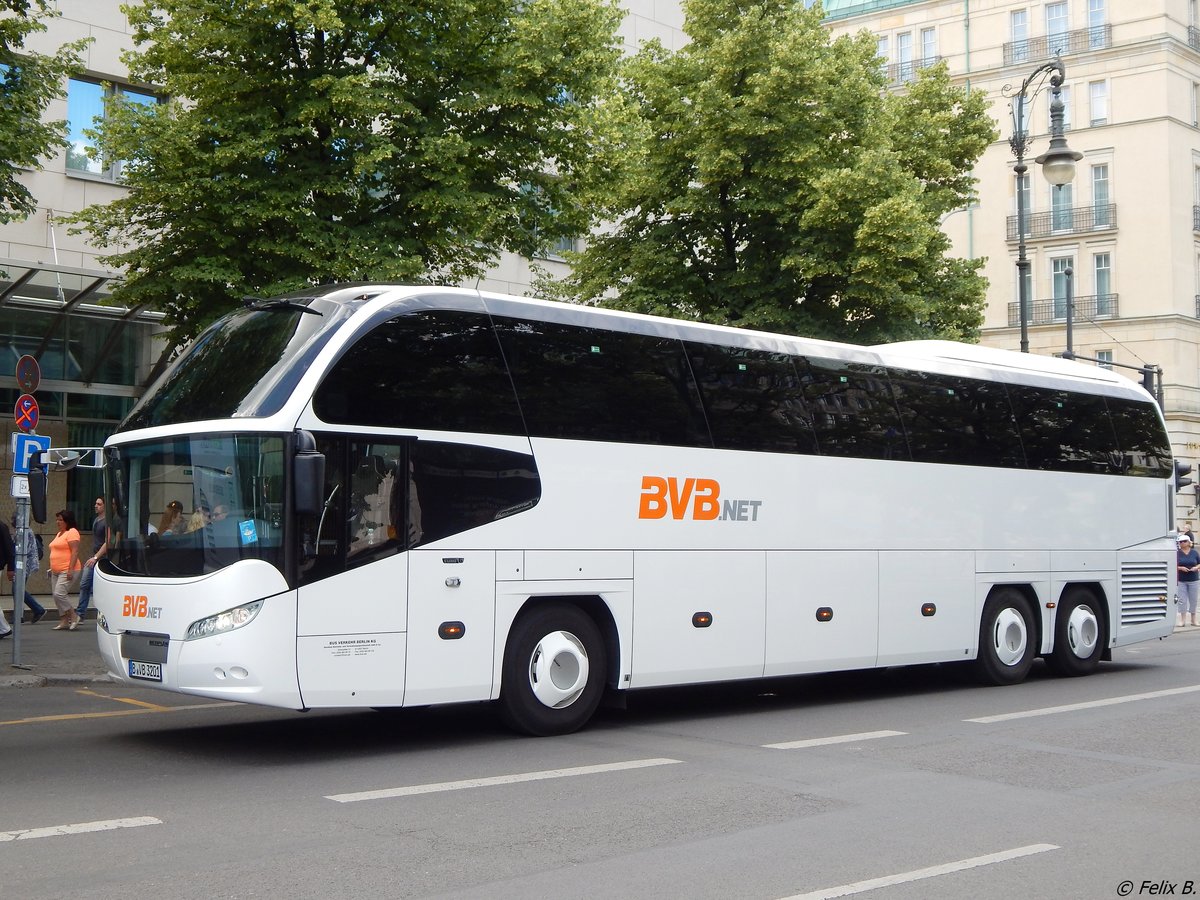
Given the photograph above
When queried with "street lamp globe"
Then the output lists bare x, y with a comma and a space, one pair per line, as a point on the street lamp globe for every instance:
1058, 162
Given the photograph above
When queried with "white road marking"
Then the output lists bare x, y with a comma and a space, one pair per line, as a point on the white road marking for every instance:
79, 828
1091, 704
859, 887
497, 780
837, 739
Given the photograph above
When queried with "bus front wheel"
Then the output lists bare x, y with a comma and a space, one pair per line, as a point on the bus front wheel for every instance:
1006, 638
1078, 634
554, 671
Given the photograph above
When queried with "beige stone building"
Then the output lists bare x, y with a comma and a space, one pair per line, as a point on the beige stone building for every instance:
1128, 227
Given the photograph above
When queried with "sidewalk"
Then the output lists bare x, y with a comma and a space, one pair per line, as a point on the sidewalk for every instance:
49, 656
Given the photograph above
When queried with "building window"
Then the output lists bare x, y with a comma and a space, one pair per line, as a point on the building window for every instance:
1058, 41
1096, 21
1018, 27
1098, 103
1059, 279
1101, 211
904, 56
85, 108
1104, 359
1061, 207
1102, 279
928, 46
1023, 197
883, 51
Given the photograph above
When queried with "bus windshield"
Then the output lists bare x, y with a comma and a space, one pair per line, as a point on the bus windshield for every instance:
193, 504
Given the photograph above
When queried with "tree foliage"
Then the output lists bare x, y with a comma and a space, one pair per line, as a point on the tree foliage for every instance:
29, 81
307, 141
772, 181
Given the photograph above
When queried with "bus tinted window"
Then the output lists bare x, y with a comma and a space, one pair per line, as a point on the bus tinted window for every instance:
454, 487
955, 420
590, 384
1145, 447
852, 409
752, 399
436, 369
1063, 431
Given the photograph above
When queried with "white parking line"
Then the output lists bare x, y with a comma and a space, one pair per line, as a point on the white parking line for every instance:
499, 779
1091, 704
79, 828
838, 739
859, 887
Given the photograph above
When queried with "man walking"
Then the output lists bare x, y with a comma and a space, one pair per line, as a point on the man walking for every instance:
99, 548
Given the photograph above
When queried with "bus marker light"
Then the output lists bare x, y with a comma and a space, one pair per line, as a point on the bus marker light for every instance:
1051, 604
928, 609
702, 619
825, 614
451, 631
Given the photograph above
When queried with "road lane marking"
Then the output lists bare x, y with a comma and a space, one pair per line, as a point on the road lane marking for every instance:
1090, 704
974, 862
65, 717
78, 828
837, 739
132, 702
498, 780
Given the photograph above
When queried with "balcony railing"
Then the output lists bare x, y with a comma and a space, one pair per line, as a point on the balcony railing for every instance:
1196, 218
1194, 37
1089, 306
1039, 49
903, 73
1066, 221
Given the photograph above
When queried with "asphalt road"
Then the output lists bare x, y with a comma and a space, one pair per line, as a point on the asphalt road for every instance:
897, 784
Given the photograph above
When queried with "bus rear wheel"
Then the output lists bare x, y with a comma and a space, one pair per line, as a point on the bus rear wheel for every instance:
1079, 635
1006, 638
554, 671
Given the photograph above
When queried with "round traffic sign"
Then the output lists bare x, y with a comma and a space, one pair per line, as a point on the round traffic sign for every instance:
29, 373
25, 413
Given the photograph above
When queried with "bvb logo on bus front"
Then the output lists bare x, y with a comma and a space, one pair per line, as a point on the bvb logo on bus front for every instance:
692, 498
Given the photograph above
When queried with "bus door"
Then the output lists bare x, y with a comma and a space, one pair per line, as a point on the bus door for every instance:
352, 602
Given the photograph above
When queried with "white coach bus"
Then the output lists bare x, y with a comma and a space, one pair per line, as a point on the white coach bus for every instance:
403, 496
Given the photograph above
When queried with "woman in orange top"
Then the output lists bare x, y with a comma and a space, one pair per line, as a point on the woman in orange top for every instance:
65, 567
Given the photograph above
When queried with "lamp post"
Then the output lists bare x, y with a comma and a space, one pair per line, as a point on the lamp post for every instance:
1058, 165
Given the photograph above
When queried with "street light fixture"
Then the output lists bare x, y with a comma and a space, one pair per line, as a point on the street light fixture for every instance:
1058, 165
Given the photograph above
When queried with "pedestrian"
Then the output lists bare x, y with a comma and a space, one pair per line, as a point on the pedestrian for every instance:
7, 558
99, 548
64, 567
1187, 562
28, 554
1186, 528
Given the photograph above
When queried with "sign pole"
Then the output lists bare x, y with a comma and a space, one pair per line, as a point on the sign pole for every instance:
19, 577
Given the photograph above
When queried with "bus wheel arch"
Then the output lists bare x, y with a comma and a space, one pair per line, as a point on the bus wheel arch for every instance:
1080, 631
1008, 635
555, 666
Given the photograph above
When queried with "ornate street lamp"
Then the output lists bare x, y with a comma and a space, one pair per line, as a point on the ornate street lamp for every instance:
1058, 165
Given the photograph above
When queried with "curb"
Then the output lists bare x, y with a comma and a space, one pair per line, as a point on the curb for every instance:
32, 679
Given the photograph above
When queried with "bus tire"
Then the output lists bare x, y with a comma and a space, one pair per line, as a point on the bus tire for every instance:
1079, 633
554, 671
1007, 643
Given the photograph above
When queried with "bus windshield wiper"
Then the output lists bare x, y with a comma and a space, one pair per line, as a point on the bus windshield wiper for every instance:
281, 303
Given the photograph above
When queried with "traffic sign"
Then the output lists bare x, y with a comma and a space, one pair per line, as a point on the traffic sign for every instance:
26, 413
29, 373
24, 447
18, 486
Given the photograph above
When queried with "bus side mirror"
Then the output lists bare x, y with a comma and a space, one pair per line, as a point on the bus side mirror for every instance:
37, 493
308, 476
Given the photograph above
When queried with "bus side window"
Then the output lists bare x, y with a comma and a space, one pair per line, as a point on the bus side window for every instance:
376, 514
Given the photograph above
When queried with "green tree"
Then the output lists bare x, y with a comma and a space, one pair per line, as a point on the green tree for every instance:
773, 182
307, 141
28, 83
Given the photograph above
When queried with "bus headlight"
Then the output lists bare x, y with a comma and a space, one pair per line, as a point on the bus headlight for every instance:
224, 621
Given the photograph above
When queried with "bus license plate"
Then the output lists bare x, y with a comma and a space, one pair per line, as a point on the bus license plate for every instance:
145, 670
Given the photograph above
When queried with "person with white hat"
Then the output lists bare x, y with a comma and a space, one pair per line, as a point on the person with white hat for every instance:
1188, 565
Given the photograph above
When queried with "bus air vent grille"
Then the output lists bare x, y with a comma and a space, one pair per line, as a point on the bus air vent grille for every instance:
1144, 591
